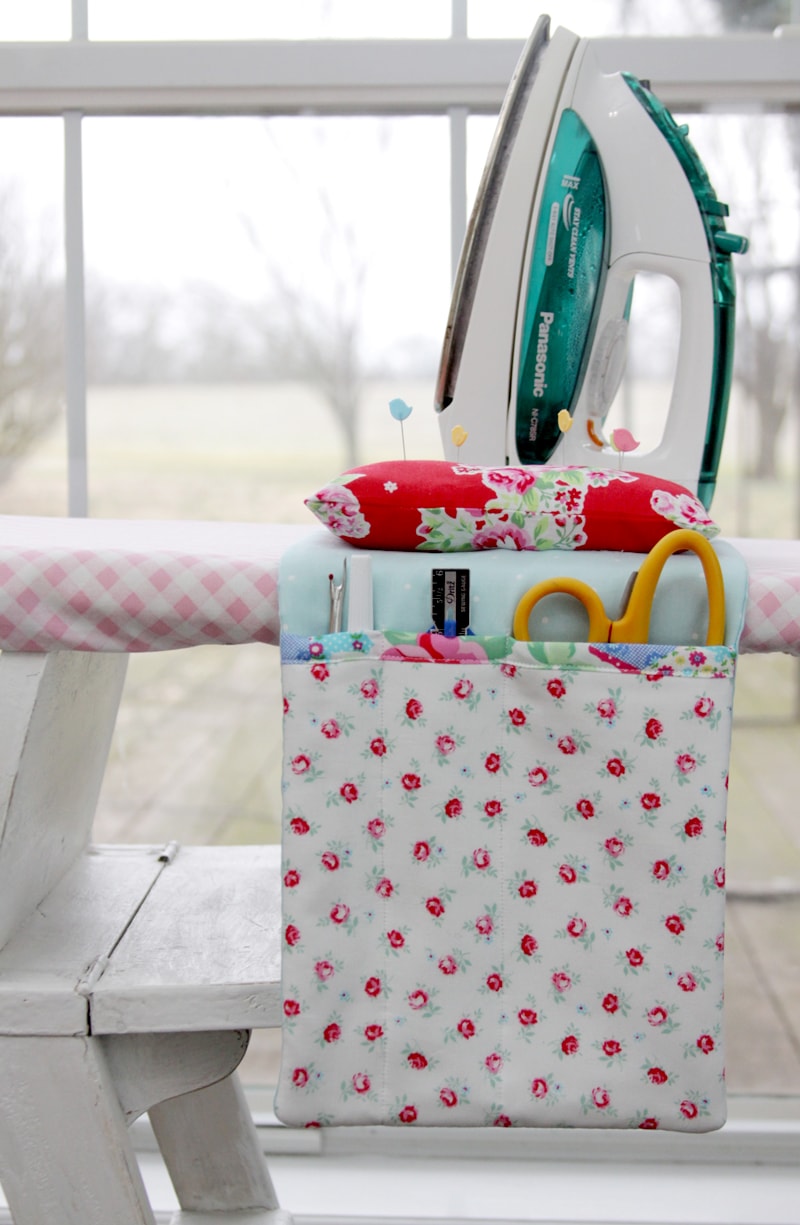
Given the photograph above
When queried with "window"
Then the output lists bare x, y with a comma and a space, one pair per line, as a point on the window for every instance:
32, 316
186, 19
250, 318
38, 21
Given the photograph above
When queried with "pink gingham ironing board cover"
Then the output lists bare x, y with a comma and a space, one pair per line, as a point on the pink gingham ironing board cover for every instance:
154, 585
121, 585
772, 619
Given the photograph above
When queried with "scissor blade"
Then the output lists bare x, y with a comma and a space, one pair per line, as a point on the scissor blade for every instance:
625, 601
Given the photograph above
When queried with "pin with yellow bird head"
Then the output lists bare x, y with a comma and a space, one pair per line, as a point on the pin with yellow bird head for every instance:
459, 436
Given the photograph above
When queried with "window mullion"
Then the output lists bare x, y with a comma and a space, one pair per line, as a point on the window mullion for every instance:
80, 20
458, 19
458, 183
75, 322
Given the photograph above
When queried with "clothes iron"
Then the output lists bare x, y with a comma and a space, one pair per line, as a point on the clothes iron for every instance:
588, 182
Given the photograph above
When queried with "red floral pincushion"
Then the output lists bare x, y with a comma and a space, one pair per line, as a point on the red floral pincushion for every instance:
445, 507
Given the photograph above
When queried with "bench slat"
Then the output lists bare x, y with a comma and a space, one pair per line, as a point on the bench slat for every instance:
71, 931
204, 950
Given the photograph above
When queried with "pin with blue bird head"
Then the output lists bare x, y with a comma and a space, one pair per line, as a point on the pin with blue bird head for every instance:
400, 410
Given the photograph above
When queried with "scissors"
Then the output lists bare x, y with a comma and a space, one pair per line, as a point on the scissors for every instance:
634, 623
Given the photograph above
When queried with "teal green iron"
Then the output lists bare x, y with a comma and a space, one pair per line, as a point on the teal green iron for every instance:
588, 183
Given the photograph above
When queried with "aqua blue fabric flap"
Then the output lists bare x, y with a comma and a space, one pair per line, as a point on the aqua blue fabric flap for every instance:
498, 578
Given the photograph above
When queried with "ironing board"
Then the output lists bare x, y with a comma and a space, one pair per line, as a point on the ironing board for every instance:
147, 585
118, 990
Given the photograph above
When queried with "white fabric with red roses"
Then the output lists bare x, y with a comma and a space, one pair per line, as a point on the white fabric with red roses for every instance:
503, 883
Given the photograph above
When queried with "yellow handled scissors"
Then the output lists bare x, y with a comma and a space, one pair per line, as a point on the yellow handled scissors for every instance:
634, 623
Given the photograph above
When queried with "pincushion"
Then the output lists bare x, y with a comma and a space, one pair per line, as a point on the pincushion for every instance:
444, 507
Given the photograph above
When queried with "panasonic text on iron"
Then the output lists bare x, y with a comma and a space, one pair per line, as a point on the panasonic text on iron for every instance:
542, 344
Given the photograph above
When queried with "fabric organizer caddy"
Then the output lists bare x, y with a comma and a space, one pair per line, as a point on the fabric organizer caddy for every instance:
503, 861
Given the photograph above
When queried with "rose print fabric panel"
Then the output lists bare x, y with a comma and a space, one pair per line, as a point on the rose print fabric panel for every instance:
503, 882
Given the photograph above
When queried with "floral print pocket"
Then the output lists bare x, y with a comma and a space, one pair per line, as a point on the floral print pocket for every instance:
503, 882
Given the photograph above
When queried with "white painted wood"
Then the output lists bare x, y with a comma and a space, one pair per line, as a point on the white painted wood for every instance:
156, 939
204, 951
341, 76
65, 1155
46, 968
57, 715
153, 947
260, 1216
211, 1150
151, 1068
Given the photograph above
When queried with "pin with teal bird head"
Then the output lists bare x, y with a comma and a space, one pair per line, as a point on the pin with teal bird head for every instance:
400, 410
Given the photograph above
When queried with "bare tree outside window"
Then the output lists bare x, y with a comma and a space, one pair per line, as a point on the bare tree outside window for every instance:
767, 364
31, 336
316, 324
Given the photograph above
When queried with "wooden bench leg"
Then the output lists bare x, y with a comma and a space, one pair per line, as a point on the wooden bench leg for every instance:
65, 1154
210, 1147
188, 1085
57, 716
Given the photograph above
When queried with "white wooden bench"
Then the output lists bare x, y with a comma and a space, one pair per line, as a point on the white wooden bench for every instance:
130, 977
